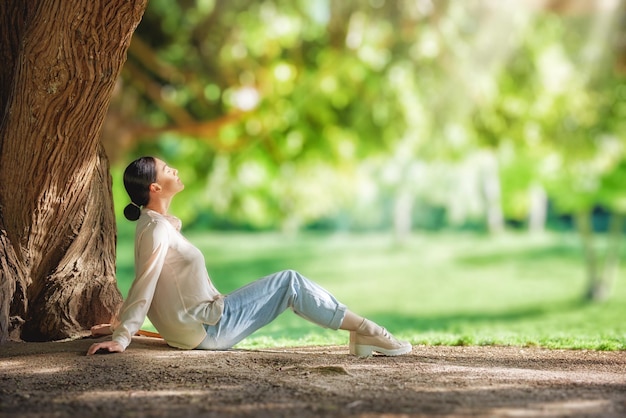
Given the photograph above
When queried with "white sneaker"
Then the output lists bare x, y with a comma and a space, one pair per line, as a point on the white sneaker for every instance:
383, 343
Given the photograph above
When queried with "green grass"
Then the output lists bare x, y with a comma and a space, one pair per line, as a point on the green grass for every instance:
438, 289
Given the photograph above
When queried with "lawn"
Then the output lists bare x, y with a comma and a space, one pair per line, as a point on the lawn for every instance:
437, 289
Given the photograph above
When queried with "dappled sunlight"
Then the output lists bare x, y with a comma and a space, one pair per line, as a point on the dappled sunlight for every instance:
101, 395
451, 170
25, 367
167, 355
521, 376
196, 398
574, 407
11, 365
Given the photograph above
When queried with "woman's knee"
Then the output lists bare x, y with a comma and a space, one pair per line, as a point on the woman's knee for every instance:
291, 282
291, 276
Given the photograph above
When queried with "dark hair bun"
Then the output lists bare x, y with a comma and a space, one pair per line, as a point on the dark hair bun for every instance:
132, 212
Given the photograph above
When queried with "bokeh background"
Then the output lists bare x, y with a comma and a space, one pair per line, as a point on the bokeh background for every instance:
454, 169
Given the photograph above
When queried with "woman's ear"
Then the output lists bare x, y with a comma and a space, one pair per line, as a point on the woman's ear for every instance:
155, 187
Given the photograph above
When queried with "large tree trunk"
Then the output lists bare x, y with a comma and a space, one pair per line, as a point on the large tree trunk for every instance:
57, 228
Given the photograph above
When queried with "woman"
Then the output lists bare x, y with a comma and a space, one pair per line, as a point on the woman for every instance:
172, 286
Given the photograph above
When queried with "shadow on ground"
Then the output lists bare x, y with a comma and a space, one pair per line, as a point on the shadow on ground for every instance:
152, 380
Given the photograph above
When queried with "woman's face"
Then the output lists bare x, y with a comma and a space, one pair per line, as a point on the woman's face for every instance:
167, 178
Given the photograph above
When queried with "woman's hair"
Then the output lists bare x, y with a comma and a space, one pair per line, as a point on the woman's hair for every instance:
138, 177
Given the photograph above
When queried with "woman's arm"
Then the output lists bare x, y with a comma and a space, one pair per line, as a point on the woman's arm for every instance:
152, 246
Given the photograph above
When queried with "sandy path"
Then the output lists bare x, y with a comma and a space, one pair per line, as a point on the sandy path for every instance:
152, 380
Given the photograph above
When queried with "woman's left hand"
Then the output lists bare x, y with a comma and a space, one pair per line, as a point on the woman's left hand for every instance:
106, 346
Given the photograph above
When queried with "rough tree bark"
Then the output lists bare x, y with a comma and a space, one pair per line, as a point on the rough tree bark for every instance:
57, 228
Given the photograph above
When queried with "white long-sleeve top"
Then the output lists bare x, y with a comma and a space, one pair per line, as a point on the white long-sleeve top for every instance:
172, 286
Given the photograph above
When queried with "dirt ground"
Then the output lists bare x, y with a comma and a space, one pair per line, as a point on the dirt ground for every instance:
150, 379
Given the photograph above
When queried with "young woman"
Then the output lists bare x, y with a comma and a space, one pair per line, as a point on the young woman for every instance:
172, 286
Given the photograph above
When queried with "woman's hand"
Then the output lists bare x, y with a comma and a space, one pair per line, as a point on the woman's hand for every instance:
110, 346
101, 329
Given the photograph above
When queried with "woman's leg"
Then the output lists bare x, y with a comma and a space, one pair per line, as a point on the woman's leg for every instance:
260, 302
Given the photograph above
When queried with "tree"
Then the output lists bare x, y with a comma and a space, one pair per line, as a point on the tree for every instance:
61, 61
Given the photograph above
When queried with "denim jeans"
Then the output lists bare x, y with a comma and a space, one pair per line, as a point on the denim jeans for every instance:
259, 303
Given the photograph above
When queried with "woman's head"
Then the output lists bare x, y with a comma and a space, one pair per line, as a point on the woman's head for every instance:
138, 177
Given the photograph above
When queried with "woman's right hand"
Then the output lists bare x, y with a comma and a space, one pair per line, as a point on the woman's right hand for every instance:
110, 346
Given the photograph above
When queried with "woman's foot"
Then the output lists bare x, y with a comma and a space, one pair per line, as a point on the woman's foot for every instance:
370, 338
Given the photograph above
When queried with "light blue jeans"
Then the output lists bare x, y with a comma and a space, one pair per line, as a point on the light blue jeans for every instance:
259, 303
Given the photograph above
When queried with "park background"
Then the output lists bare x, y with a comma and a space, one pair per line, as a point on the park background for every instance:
453, 170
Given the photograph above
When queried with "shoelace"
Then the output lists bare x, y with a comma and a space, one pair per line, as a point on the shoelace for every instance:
388, 336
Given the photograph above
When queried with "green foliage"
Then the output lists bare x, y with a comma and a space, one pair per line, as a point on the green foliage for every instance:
439, 289
335, 105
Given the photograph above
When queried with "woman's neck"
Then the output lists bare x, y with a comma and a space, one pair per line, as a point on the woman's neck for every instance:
159, 205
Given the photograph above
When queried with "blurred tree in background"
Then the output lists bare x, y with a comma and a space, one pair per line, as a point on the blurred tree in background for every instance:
384, 114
